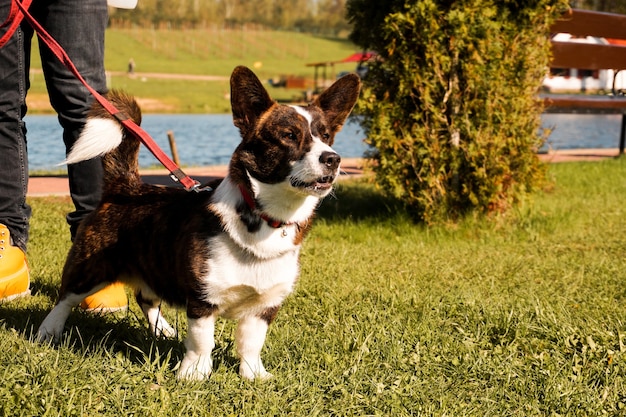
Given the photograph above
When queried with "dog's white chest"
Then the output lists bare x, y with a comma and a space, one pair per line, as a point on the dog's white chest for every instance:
240, 284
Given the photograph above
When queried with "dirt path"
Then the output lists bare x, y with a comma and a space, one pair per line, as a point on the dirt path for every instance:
40, 104
160, 75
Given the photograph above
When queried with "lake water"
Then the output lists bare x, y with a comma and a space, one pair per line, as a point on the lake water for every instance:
204, 140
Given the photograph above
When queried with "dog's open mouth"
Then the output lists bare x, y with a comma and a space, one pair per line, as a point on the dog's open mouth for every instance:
321, 184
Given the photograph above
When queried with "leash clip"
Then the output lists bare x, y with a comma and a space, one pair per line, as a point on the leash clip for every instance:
198, 188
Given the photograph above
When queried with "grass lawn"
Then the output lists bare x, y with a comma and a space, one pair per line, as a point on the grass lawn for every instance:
202, 52
519, 316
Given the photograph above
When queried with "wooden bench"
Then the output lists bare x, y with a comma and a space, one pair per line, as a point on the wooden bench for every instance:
586, 56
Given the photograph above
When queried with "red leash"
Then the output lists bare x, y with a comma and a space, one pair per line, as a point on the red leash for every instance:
176, 173
14, 19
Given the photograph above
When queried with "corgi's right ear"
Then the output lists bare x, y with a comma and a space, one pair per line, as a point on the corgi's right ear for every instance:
248, 99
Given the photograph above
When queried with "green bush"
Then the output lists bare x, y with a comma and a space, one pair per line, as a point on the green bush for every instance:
451, 106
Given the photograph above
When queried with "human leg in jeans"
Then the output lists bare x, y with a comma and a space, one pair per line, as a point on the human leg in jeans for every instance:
79, 28
14, 211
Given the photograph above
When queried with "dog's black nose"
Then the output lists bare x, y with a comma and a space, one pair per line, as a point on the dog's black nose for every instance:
330, 159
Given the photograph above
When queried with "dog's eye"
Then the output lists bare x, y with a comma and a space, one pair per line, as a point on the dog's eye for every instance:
290, 136
326, 136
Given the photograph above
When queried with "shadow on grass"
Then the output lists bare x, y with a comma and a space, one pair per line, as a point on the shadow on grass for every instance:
122, 332
47, 286
360, 201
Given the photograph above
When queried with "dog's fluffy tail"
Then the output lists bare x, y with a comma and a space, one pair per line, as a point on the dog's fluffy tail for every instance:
104, 136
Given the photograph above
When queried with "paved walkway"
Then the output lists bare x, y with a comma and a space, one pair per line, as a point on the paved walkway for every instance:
57, 186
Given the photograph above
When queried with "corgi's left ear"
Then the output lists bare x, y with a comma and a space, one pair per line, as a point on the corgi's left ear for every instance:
248, 99
338, 100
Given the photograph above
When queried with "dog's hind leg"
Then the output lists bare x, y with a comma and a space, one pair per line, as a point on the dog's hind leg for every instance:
52, 326
151, 306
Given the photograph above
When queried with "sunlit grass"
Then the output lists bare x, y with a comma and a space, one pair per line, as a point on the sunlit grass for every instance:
520, 315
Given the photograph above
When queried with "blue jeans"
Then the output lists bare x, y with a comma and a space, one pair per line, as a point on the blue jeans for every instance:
78, 26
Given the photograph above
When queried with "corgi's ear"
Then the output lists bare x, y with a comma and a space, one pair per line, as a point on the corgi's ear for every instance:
248, 99
338, 100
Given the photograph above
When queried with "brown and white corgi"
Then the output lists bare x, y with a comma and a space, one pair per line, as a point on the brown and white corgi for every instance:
231, 252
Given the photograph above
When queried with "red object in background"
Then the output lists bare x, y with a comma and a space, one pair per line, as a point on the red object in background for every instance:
359, 57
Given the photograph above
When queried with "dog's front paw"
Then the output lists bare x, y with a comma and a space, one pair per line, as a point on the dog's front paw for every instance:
257, 371
195, 368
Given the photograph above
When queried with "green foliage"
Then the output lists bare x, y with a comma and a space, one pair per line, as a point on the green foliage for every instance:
314, 16
451, 106
602, 6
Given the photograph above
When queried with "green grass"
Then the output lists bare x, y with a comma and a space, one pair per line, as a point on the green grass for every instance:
523, 315
217, 52
206, 52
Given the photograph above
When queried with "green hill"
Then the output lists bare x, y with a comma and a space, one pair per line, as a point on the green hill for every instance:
203, 52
